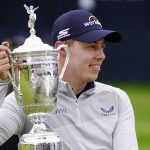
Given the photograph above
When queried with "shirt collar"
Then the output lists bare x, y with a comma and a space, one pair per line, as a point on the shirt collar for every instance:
89, 89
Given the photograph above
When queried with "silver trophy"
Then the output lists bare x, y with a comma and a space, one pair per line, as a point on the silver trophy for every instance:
35, 80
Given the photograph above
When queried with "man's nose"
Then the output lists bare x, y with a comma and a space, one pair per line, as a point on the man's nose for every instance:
100, 54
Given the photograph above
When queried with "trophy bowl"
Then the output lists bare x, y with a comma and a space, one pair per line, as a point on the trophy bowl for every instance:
35, 79
35, 74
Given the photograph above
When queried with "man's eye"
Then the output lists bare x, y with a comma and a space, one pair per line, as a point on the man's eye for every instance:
103, 46
92, 46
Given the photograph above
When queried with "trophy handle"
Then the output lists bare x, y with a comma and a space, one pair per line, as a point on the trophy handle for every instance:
66, 60
16, 89
9, 73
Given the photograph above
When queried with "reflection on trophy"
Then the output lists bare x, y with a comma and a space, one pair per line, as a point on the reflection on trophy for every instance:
35, 81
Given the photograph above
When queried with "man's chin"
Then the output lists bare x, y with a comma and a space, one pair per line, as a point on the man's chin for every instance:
93, 78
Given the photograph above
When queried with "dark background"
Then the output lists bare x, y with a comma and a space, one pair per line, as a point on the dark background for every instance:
126, 61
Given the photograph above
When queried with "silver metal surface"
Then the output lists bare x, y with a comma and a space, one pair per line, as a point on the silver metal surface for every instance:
48, 141
32, 17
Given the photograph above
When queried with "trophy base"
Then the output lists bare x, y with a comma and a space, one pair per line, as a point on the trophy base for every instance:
40, 141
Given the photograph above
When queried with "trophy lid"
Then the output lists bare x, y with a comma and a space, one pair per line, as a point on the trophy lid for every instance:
32, 44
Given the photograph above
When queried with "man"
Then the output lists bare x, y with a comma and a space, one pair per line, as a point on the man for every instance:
92, 115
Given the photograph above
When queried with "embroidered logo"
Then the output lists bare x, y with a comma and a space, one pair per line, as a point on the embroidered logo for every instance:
60, 111
92, 21
63, 33
107, 112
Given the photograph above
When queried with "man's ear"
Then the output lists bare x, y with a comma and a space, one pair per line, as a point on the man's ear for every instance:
62, 51
58, 43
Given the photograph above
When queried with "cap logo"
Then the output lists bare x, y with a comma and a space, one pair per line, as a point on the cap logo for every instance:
63, 33
92, 21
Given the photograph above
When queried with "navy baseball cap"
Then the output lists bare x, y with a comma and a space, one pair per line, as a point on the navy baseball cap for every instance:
82, 26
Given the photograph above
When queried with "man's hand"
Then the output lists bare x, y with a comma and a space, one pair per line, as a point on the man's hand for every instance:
4, 60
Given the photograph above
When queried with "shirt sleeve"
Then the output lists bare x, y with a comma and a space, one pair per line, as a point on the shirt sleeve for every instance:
3, 90
124, 136
11, 118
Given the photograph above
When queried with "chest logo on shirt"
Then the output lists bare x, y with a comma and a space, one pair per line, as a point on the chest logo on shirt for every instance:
108, 111
61, 111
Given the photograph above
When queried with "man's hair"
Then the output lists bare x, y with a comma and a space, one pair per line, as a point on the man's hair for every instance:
68, 42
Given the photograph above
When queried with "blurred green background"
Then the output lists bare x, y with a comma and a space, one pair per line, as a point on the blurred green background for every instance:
139, 93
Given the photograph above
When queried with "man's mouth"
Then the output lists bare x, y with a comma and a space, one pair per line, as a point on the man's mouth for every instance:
95, 67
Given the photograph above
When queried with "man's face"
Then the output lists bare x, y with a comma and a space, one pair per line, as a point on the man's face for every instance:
85, 60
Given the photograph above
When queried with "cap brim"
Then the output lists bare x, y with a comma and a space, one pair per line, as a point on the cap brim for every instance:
95, 35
